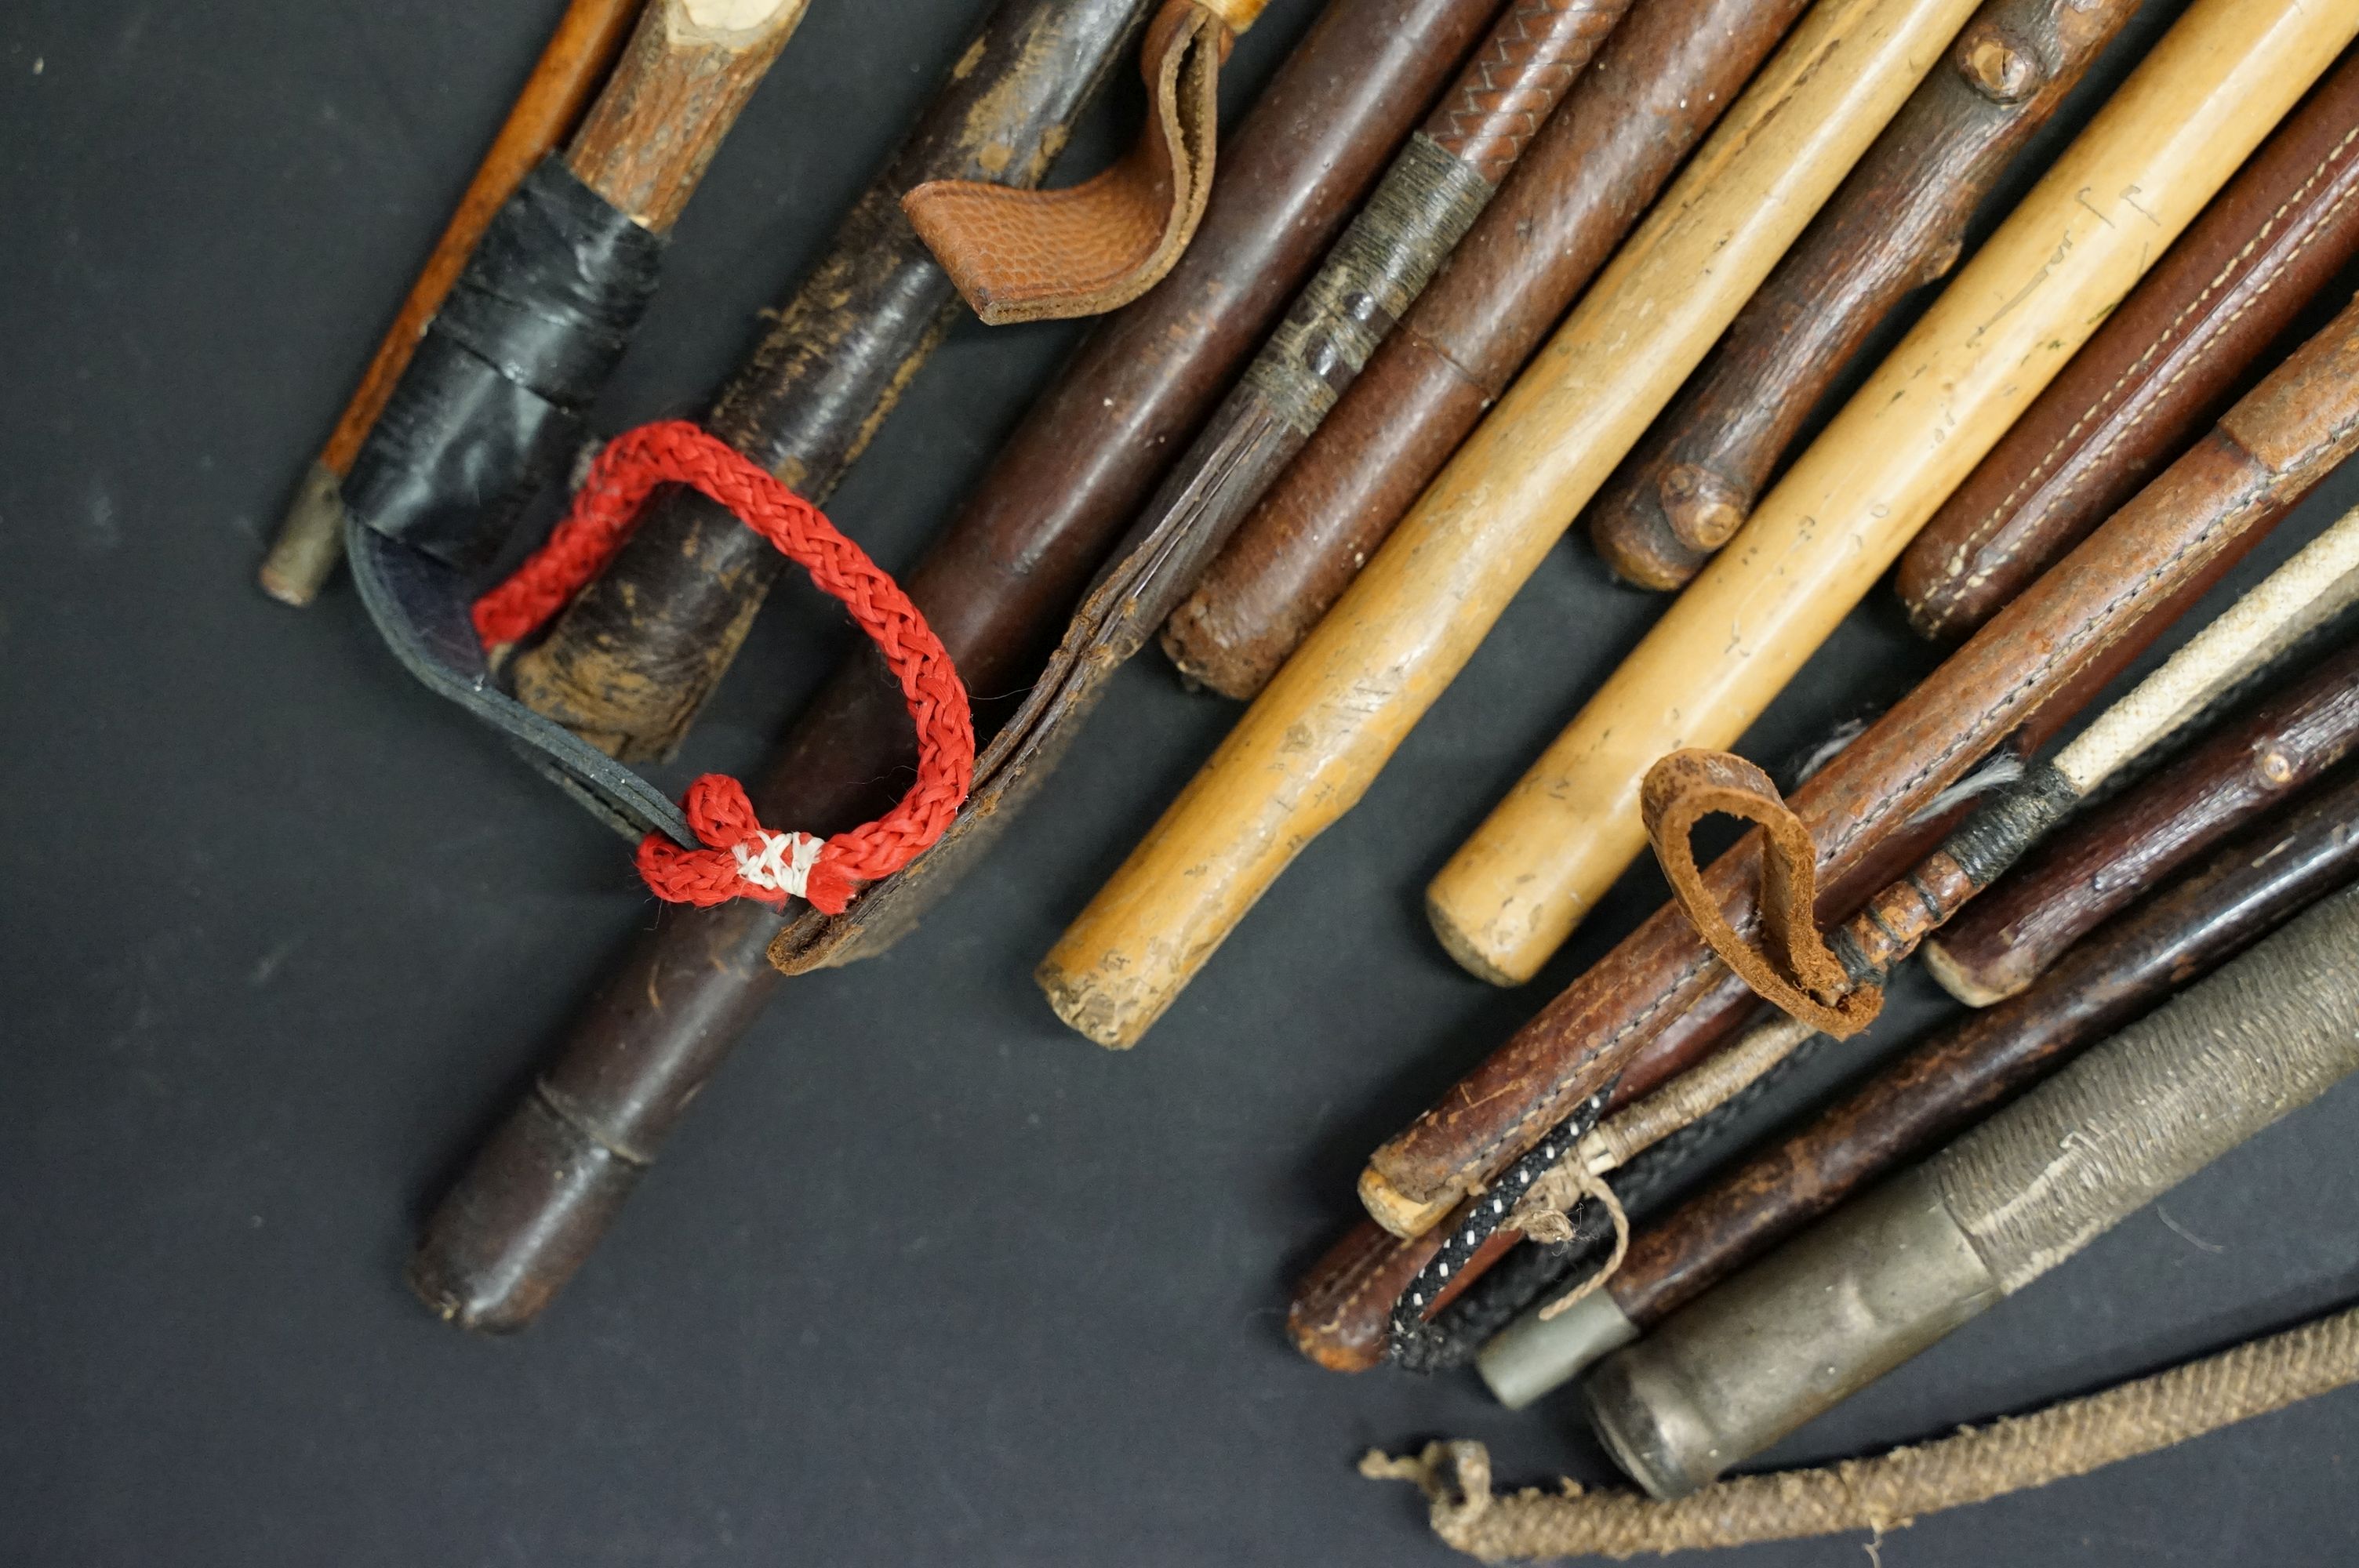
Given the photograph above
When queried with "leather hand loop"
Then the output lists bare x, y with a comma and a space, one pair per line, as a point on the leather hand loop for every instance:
1039, 255
1793, 968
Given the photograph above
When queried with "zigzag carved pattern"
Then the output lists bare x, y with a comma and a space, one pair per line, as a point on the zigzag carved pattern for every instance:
1527, 63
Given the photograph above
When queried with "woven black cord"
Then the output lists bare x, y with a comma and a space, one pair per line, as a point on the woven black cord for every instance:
1535, 1271
1488, 1210
1500, 1296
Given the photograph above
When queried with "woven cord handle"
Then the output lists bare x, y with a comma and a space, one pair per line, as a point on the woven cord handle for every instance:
2161, 1100
740, 857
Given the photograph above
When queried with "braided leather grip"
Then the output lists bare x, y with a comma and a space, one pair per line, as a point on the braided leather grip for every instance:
1515, 81
2165, 1098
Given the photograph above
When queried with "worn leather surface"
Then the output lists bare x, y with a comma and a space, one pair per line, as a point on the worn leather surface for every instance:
1341, 1307
419, 607
634, 657
1653, 92
864, 1310
998, 584
2095, 605
1790, 967
492, 404
1036, 255
1896, 224
2162, 367
1433, 194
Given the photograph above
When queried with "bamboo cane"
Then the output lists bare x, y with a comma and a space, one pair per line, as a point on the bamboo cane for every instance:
1304, 752
2204, 98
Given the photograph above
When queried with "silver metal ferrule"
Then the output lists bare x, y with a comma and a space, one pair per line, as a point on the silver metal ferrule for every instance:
1532, 1357
1750, 1360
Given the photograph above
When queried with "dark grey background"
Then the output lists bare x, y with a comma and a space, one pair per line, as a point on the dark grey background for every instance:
926, 1278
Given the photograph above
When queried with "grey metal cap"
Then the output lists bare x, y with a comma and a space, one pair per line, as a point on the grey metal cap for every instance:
1764, 1350
1530, 1357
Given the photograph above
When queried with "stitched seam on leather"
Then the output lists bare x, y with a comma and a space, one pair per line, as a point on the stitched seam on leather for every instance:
2267, 279
1367, 1282
2223, 529
2169, 336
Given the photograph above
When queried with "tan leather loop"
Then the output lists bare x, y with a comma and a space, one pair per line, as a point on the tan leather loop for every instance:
1792, 969
1037, 256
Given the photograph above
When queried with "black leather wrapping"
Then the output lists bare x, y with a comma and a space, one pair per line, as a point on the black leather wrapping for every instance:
488, 414
490, 410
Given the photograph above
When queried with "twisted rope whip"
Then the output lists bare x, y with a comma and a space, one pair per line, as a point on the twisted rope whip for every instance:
742, 859
1884, 1493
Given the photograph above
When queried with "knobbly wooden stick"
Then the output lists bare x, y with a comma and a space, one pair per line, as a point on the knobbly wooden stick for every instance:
1302, 754
1897, 223
689, 70
311, 539
2155, 376
2168, 141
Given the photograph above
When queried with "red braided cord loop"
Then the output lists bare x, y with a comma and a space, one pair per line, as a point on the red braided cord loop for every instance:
742, 859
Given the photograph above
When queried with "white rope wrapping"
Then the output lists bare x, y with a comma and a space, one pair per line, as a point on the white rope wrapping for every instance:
2318, 582
784, 863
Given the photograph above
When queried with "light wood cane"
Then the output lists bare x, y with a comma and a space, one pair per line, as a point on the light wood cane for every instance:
1309, 746
2204, 98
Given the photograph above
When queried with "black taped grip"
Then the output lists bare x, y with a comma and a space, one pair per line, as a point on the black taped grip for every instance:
490, 410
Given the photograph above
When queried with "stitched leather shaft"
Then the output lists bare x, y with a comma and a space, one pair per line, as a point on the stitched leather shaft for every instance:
2042, 655
1656, 88
2162, 366
1342, 1306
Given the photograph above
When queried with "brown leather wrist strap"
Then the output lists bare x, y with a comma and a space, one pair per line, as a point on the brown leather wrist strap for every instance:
1039, 255
1793, 968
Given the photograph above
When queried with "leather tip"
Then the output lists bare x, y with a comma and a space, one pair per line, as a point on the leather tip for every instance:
515, 1226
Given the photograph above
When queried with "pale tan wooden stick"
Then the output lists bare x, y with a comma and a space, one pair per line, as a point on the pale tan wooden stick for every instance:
1322, 729
2154, 156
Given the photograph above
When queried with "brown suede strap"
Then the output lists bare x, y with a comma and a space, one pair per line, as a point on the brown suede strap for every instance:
1792, 969
1039, 255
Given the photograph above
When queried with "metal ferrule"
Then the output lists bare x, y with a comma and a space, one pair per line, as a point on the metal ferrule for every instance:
1746, 1363
1533, 1356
